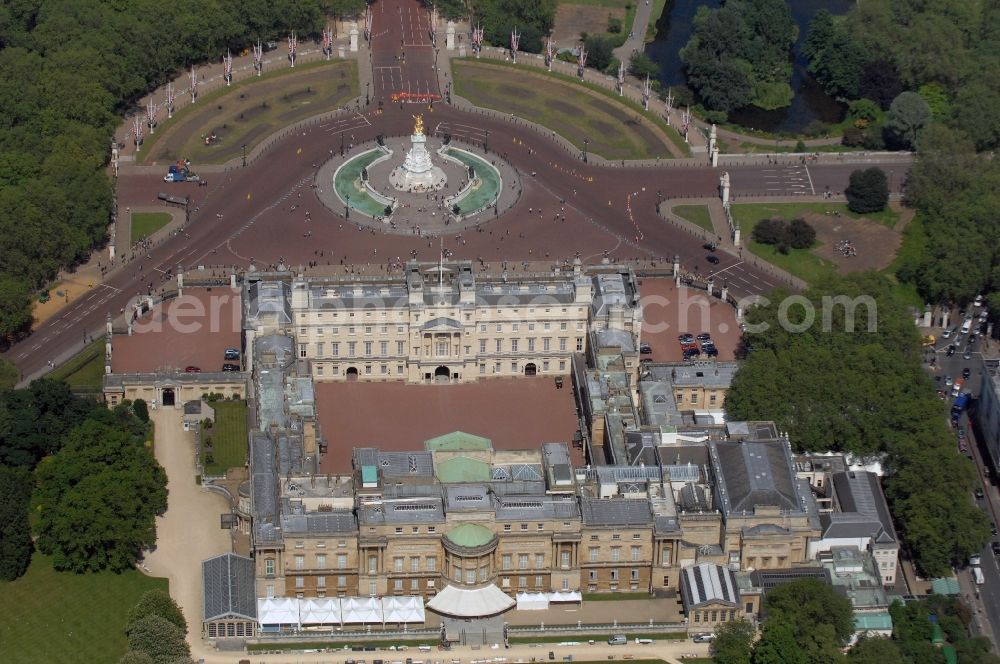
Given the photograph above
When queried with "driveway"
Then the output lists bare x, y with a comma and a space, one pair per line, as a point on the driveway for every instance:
189, 531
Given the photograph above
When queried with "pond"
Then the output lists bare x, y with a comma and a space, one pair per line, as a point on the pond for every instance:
809, 104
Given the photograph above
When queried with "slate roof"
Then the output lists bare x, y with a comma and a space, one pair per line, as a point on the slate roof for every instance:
406, 464
750, 474
598, 512
416, 510
708, 583
319, 523
522, 508
263, 468
863, 509
228, 584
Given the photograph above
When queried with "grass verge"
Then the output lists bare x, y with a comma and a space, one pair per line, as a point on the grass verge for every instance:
228, 436
144, 224
85, 370
558, 123
910, 251
599, 637
64, 617
696, 214
316, 645
757, 211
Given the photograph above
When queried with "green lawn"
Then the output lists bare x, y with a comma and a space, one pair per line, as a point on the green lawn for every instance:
145, 224
250, 110
85, 371
315, 645
802, 263
558, 102
696, 214
757, 211
662, 636
229, 437
912, 248
64, 617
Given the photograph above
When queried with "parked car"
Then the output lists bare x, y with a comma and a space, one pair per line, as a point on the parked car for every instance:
704, 638
966, 372
704, 336
961, 433
711, 351
192, 369
951, 350
713, 259
230, 367
979, 493
946, 334
645, 348
685, 338
948, 380
617, 640
691, 352
996, 548
232, 354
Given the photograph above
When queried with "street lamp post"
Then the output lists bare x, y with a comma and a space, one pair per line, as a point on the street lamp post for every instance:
436, 51
486, 143
367, 98
341, 144
347, 207
244, 155
586, 144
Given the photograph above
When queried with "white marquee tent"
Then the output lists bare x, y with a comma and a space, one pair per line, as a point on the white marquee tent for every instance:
475, 603
316, 611
363, 610
532, 601
273, 613
402, 610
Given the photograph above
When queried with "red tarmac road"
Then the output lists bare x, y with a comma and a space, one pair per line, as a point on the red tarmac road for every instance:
246, 214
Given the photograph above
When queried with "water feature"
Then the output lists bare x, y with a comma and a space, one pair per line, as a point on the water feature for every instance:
809, 104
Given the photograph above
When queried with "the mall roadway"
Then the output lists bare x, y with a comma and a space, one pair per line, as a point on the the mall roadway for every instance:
246, 213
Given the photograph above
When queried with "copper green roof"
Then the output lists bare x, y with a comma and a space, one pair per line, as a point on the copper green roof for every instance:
457, 441
462, 469
470, 535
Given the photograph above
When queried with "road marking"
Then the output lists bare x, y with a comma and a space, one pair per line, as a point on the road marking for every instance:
810, 181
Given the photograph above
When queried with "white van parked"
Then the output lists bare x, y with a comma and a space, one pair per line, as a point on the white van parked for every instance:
977, 576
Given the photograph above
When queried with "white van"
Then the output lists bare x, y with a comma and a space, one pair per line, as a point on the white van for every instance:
977, 576
966, 326
617, 640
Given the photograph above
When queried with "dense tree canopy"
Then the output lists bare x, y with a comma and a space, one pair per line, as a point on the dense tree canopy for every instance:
532, 18
97, 499
159, 638
738, 54
68, 70
860, 388
883, 47
956, 194
156, 602
15, 532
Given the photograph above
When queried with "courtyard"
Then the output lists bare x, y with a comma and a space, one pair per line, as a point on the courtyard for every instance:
516, 414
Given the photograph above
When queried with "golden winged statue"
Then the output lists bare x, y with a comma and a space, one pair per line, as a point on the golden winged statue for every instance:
418, 126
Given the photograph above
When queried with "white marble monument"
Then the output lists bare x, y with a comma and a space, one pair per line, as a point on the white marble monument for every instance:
417, 173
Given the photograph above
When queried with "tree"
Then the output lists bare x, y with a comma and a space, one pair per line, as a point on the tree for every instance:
770, 231
908, 114
9, 375
34, 420
867, 190
733, 642
600, 52
879, 81
799, 234
159, 603
159, 638
15, 532
98, 498
135, 657
141, 410
738, 55
641, 65
15, 308
875, 650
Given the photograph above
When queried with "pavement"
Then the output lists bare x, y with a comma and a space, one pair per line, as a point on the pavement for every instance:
189, 531
674, 652
636, 41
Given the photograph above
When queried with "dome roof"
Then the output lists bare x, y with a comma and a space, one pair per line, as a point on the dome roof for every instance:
470, 535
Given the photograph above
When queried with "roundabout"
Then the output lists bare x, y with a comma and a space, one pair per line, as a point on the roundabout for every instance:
448, 185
